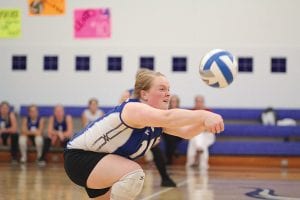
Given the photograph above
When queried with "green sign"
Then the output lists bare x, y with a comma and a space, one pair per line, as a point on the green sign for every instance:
10, 23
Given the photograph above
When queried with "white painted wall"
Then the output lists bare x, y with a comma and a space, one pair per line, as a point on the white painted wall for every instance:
159, 28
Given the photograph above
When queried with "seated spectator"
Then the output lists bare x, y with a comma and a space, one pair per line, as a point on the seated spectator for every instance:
60, 130
269, 117
171, 141
8, 129
197, 153
126, 95
32, 128
92, 113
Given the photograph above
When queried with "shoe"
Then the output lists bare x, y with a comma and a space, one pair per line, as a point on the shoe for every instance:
204, 166
168, 182
23, 160
14, 161
194, 165
41, 162
169, 162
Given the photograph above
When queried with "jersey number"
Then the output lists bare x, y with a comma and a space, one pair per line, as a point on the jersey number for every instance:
143, 148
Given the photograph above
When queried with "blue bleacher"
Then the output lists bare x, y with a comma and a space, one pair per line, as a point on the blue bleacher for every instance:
240, 148
257, 130
46, 111
260, 148
254, 131
254, 114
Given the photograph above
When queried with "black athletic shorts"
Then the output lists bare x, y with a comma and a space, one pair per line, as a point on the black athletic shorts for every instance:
79, 164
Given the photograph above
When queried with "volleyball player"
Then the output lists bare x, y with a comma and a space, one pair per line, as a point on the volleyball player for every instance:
158, 157
60, 130
32, 128
8, 129
100, 157
172, 141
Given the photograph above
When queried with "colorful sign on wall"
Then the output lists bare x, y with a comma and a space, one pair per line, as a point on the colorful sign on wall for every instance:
10, 23
92, 23
46, 7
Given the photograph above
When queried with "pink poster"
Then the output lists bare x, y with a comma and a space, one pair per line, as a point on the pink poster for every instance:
92, 23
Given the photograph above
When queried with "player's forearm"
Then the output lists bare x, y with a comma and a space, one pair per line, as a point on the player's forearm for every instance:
11, 130
182, 117
67, 134
84, 121
186, 132
196, 121
29, 133
52, 132
38, 132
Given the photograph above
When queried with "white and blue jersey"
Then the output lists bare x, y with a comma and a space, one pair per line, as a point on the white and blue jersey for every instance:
33, 125
60, 126
110, 134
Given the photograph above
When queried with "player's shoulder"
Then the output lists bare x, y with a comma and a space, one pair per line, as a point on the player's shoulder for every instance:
133, 105
129, 103
69, 117
86, 111
132, 101
12, 114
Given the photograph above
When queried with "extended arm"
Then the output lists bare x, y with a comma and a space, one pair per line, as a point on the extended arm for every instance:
175, 121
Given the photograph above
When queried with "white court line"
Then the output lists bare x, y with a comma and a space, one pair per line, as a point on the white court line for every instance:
165, 190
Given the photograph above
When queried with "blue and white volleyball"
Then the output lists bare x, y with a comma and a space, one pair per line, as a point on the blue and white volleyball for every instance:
218, 68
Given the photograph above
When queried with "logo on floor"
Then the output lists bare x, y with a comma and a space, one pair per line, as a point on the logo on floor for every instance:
268, 194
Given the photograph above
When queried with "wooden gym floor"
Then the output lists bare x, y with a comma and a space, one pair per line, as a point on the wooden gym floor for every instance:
26, 182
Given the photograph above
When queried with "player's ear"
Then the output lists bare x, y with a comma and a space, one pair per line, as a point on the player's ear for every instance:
144, 95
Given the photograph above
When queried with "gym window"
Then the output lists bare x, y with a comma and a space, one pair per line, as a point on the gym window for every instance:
179, 64
147, 62
82, 63
114, 63
278, 65
50, 63
245, 64
19, 62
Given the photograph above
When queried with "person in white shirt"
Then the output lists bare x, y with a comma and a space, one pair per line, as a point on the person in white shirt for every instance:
92, 113
197, 153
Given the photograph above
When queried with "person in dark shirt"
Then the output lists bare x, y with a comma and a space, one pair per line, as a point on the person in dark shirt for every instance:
8, 129
32, 129
60, 130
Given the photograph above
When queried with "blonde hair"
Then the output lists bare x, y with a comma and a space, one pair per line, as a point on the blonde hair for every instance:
91, 100
143, 81
32, 106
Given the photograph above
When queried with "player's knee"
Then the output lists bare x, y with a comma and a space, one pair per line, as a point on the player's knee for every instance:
38, 140
23, 140
129, 186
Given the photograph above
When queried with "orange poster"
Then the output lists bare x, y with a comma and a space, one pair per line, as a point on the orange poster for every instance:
46, 7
